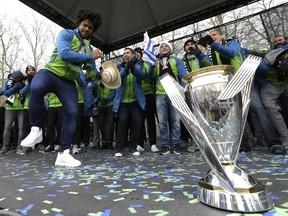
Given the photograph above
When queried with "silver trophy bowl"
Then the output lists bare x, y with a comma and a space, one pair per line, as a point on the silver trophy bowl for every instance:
213, 106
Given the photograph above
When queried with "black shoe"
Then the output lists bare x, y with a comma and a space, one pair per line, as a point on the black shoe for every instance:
12, 147
110, 145
41, 148
4, 151
278, 149
103, 146
49, 148
244, 149
261, 141
95, 147
165, 150
177, 149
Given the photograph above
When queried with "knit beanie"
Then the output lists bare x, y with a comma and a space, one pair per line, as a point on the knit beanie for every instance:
166, 42
139, 50
17, 75
188, 41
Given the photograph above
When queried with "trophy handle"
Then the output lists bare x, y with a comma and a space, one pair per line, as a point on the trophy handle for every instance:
242, 78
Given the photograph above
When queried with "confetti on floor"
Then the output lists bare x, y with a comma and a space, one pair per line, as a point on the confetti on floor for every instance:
149, 184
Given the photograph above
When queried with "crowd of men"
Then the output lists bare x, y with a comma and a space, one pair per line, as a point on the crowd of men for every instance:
56, 107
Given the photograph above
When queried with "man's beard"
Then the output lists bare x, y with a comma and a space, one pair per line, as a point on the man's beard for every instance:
280, 45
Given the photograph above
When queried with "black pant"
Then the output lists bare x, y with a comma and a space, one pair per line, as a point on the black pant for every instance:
78, 132
106, 118
149, 115
133, 114
55, 119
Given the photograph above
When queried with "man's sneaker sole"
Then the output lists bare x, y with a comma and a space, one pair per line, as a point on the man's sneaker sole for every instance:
31, 144
136, 153
6, 153
67, 165
178, 153
118, 154
164, 153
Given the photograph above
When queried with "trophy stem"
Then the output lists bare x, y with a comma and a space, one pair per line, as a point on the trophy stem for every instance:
208, 152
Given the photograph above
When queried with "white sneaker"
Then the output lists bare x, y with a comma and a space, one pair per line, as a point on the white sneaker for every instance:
136, 153
57, 147
140, 148
65, 159
75, 149
118, 154
34, 137
154, 148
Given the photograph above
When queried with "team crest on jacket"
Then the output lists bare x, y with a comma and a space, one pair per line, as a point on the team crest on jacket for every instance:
172, 61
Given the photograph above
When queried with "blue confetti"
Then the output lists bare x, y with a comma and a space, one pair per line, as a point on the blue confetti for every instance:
51, 195
136, 206
114, 186
25, 211
106, 213
147, 191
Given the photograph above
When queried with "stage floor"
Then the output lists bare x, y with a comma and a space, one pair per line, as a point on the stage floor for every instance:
149, 184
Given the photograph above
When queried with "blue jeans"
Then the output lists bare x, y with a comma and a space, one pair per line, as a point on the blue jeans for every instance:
44, 82
263, 118
10, 116
169, 121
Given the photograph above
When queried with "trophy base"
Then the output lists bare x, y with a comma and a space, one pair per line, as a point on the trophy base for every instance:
249, 195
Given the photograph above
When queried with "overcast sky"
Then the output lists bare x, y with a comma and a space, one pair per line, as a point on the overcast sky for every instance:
16, 9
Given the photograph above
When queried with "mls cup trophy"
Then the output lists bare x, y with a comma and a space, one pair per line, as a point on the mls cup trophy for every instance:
213, 107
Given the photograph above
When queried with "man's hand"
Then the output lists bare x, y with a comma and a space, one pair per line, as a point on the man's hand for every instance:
102, 100
96, 54
17, 86
195, 51
209, 40
130, 66
29, 78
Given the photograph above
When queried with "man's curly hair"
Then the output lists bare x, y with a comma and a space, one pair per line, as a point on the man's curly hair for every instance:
90, 15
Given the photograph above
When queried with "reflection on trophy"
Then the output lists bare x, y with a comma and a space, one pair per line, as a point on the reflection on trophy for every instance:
214, 107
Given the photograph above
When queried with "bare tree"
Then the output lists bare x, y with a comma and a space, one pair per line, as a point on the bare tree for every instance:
9, 49
38, 36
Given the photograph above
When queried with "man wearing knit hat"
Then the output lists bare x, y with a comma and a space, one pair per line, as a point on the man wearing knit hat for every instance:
169, 119
193, 59
14, 109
